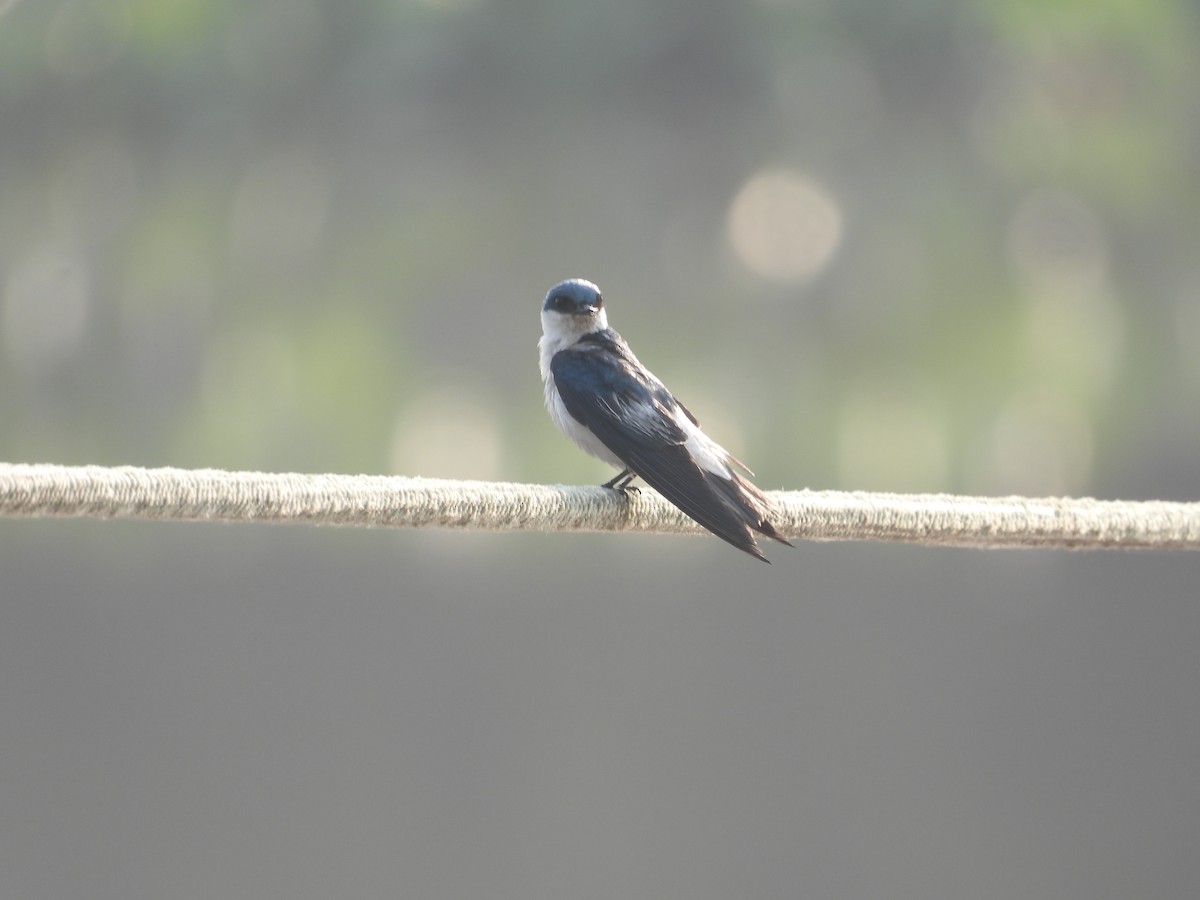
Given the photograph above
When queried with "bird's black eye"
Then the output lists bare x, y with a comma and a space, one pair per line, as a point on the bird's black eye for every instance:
572, 303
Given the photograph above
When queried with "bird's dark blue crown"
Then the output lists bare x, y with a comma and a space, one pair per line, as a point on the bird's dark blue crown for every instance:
574, 297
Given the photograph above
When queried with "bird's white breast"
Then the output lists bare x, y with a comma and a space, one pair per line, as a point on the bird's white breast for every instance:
559, 333
577, 432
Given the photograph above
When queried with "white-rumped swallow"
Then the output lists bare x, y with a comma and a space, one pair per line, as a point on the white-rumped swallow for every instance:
613, 407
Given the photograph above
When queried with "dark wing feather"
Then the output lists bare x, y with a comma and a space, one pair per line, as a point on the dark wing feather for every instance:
603, 387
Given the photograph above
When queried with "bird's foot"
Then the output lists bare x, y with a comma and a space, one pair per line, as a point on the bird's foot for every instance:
621, 483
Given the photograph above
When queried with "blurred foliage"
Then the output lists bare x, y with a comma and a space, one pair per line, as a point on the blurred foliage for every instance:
310, 235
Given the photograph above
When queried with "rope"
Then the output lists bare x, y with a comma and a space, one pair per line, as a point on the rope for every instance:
385, 501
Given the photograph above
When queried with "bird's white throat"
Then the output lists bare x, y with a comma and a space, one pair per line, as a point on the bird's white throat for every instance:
560, 331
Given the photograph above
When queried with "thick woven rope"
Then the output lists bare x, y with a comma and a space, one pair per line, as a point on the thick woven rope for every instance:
127, 492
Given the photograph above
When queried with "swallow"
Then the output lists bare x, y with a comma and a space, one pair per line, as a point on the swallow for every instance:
602, 398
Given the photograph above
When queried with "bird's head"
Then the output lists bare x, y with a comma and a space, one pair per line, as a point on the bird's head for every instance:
573, 307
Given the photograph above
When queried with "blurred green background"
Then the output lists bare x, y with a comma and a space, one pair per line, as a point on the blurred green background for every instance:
918, 246
910, 246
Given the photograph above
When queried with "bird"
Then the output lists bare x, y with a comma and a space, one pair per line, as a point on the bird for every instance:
602, 398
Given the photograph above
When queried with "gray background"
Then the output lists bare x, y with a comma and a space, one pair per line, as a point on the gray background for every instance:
315, 236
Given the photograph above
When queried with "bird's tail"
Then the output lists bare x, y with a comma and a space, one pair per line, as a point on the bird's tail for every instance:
752, 506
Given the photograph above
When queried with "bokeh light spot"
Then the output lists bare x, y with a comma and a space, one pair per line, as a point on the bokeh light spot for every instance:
44, 309
893, 443
95, 192
448, 433
1041, 444
1187, 331
83, 38
1057, 242
1075, 328
784, 226
280, 208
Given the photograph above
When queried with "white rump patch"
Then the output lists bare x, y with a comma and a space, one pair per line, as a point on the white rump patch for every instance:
709, 455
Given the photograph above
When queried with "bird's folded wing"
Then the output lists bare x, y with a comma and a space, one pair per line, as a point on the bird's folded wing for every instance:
636, 419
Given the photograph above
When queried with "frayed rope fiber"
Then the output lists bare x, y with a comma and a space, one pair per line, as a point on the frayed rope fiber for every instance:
128, 492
